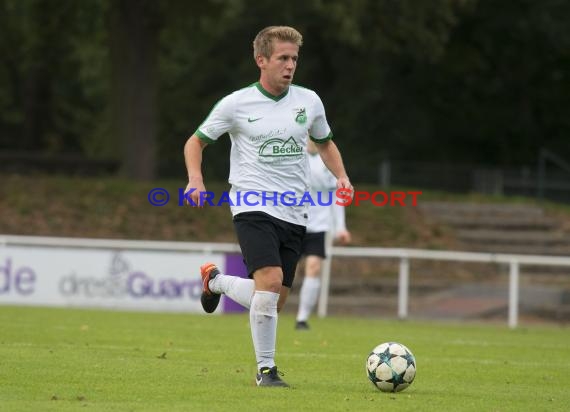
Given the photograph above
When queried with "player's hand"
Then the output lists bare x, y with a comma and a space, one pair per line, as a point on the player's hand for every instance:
343, 184
343, 237
195, 186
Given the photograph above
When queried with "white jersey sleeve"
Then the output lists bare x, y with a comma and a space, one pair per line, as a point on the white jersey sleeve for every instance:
219, 121
320, 129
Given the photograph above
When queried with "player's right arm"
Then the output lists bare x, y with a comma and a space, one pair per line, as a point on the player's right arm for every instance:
218, 122
193, 159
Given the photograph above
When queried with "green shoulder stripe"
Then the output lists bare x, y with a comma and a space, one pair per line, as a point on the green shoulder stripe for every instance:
203, 137
324, 139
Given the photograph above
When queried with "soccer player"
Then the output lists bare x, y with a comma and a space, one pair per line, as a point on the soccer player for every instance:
322, 219
269, 124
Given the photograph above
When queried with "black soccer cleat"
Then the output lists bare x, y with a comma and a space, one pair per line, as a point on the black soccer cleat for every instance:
302, 325
270, 377
209, 299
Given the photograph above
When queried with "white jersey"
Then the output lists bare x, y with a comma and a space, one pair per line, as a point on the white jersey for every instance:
268, 155
323, 218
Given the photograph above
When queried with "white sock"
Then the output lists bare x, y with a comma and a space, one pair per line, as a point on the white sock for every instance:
236, 288
263, 323
308, 297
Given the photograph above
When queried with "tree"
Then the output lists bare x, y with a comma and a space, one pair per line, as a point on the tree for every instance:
134, 27
444, 81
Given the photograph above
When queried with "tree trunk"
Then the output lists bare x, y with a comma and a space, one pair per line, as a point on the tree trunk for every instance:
133, 37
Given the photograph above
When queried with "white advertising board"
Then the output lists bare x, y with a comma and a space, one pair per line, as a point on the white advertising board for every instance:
153, 280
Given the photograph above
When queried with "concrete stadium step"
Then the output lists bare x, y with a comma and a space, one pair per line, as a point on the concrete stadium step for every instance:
469, 301
370, 305
524, 237
352, 286
508, 222
479, 301
481, 209
501, 228
554, 250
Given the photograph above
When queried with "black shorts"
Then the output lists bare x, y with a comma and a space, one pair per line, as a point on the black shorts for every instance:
268, 241
314, 244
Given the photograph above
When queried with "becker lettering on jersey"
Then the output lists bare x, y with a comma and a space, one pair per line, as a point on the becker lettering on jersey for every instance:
281, 148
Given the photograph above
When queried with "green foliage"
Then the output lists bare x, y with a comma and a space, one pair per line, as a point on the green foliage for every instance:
472, 81
65, 359
54, 59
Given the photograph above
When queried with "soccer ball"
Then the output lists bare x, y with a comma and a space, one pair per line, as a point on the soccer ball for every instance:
391, 367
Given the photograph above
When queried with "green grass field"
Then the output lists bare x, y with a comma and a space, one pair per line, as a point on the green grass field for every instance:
64, 359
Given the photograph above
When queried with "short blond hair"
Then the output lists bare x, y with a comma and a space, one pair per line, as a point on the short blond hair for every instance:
263, 42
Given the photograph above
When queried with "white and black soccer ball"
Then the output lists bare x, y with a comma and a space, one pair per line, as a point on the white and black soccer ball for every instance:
391, 367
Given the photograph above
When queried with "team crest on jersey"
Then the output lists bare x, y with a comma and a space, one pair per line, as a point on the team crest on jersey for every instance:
300, 115
280, 148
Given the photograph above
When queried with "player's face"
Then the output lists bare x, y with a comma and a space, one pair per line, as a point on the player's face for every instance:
277, 71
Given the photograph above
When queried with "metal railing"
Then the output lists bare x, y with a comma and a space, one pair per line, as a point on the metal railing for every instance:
122, 244
405, 255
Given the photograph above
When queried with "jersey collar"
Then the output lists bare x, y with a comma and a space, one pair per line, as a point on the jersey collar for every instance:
269, 95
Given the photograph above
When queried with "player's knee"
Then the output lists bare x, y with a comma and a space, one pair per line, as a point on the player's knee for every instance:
274, 286
273, 283
269, 279
313, 267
